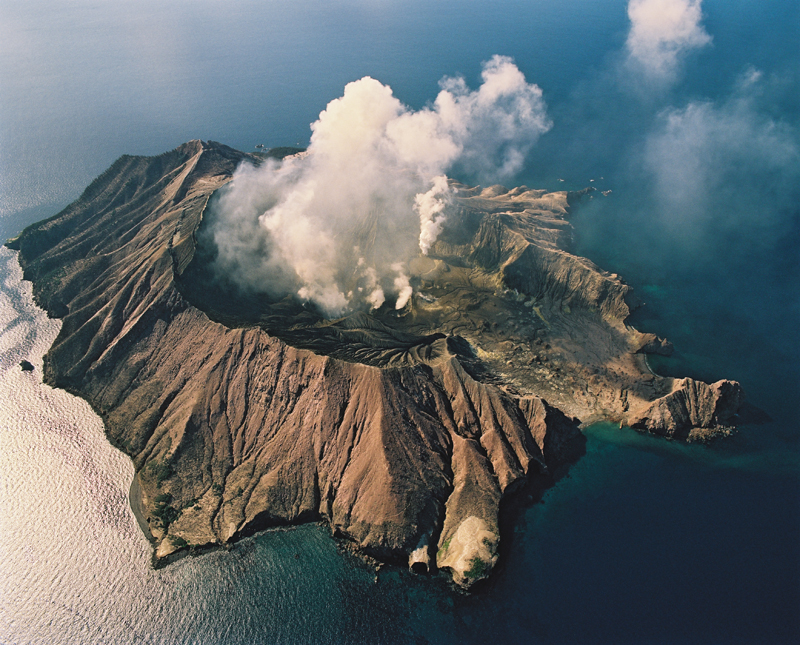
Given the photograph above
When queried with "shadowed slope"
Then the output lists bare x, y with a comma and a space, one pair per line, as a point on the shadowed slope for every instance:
403, 431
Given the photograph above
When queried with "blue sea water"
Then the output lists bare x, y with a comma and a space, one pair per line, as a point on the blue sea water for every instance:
643, 540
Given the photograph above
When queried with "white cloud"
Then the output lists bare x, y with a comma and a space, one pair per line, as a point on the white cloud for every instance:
661, 32
724, 167
337, 226
430, 207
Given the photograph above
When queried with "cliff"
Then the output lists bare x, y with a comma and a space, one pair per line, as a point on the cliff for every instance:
402, 432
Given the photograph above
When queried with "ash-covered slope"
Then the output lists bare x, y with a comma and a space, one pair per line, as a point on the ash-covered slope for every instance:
403, 432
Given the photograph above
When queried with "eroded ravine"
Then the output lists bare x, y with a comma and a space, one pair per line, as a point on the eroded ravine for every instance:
402, 430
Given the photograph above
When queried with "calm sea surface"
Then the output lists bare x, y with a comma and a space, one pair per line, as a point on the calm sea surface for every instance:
643, 540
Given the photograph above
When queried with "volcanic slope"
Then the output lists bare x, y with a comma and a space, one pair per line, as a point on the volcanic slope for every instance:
402, 430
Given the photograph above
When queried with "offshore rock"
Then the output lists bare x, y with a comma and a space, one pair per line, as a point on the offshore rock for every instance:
689, 408
403, 433
652, 344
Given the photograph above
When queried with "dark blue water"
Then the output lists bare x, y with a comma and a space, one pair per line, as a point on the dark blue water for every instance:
643, 541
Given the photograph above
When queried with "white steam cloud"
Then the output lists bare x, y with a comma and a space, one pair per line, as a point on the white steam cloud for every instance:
720, 168
661, 32
430, 207
338, 224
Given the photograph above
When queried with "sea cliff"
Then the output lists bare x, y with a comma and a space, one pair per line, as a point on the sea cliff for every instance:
404, 432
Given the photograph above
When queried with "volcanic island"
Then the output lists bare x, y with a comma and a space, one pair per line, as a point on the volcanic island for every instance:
402, 430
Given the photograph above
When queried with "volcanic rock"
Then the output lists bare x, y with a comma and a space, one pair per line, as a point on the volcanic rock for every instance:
652, 344
403, 431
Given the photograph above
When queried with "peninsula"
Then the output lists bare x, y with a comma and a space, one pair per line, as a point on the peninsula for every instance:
401, 429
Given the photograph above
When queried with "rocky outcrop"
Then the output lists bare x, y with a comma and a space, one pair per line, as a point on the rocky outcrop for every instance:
405, 445
689, 406
652, 344
558, 327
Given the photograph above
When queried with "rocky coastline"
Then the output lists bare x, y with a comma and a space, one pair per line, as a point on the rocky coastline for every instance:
402, 431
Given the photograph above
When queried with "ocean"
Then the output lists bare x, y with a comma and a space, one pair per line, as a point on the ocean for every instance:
643, 540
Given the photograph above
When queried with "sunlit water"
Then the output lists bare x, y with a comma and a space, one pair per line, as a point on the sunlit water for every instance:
76, 567
644, 540
610, 552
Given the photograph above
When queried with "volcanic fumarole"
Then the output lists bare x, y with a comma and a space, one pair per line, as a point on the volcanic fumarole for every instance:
345, 334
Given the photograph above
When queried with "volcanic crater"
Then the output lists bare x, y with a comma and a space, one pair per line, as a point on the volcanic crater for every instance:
402, 429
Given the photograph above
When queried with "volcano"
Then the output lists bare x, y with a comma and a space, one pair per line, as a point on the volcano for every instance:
402, 429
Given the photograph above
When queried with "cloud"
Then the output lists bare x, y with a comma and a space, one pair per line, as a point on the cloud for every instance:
722, 168
336, 225
661, 32
430, 207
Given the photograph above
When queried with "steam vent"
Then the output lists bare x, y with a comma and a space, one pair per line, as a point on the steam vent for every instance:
402, 429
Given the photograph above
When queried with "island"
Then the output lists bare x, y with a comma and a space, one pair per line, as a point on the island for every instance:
403, 430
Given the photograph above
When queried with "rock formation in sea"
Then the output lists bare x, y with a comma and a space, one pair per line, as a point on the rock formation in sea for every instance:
403, 431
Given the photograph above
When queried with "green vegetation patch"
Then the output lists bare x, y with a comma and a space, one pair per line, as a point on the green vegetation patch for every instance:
160, 471
477, 568
178, 541
163, 511
444, 547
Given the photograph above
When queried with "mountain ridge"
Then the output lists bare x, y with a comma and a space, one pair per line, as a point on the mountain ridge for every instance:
232, 428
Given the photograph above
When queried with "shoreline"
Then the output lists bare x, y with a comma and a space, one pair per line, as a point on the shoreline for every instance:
187, 388
135, 504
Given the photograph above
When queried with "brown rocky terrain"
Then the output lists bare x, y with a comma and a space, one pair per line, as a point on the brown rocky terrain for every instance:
402, 430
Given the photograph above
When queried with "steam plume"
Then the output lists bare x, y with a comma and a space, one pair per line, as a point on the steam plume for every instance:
430, 207
337, 224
